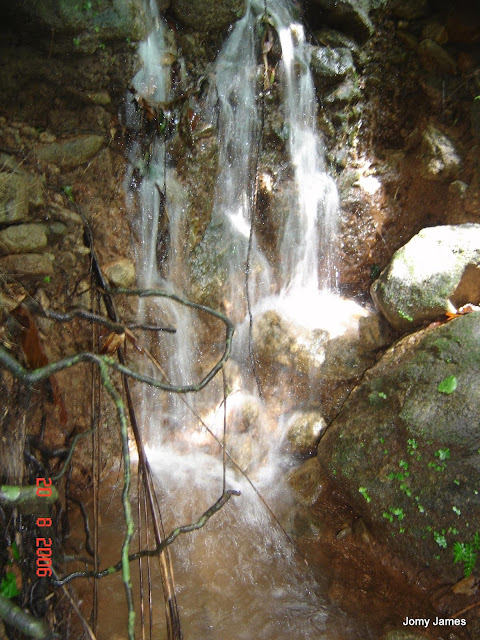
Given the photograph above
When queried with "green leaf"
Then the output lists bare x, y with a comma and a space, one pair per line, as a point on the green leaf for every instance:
364, 492
68, 189
405, 315
448, 385
440, 539
15, 552
8, 586
476, 541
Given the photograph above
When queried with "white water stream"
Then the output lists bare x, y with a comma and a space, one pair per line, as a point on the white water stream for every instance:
238, 577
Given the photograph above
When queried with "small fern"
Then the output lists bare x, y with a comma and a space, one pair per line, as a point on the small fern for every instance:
466, 552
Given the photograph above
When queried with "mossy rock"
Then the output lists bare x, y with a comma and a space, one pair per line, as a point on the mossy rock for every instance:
405, 450
434, 273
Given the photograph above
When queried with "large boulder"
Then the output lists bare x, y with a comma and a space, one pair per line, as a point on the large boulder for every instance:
351, 16
435, 273
109, 20
295, 362
404, 449
208, 15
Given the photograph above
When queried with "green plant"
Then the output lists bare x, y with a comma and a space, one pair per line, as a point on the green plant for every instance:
377, 398
364, 492
440, 538
394, 511
405, 316
448, 385
466, 552
68, 191
8, 586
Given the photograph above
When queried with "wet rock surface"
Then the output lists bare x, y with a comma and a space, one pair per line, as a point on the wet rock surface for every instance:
109, 20
331, 65
404, 447
349, 15
304, 430
207, 15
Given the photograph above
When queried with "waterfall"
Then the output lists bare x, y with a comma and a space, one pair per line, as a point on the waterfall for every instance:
311, 225
252, 586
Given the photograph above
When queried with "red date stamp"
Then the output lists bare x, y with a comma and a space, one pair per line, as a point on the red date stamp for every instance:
44, 545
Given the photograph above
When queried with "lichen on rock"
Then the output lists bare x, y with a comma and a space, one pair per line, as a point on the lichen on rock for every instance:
434, 273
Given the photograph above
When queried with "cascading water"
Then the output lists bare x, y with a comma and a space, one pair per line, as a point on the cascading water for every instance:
239, 577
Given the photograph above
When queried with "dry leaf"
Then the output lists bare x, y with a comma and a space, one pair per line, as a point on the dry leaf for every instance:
466, 586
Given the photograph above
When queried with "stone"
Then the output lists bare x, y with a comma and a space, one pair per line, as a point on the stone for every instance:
208, 15
71, 152
348, 91
120, 273
13, 198
244, 413
303, 431
331, 65
335, 39
23, 238
434, 58
350, 16
307, 482
403, 450
345, 359
100, 97
198, 169
108, 20
27, 265
435, 273
410, 9
433, 86
374, 332
440, 158
408, 39
19, 191
436, 32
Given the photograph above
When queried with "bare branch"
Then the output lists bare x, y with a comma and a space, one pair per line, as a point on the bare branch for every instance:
13, 495
159, 548
26, 623
31, 378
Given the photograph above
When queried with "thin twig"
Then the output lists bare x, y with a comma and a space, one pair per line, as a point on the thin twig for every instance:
224, 380
75, 607
470, 606
127, 509
78, 437
26, 623
94, 318
88, 535
30, 378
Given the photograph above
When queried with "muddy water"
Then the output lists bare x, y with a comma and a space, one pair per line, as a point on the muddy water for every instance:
239, 577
